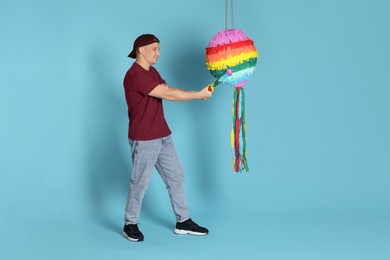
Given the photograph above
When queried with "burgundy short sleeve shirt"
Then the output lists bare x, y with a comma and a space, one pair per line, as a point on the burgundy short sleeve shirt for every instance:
146, 114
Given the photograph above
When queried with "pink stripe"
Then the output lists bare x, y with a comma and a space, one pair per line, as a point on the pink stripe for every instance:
227, 36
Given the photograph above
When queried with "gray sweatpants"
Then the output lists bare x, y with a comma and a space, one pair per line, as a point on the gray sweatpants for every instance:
147, 155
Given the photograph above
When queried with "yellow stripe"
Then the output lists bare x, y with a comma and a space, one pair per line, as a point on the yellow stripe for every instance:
232, 138
231, 61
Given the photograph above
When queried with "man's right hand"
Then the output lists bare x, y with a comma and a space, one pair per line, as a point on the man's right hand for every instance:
205, 93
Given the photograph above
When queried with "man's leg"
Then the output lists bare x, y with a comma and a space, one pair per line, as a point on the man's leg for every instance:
172, 174
144, 155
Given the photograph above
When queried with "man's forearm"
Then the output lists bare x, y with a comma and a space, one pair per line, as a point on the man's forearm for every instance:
165, 92
177, 94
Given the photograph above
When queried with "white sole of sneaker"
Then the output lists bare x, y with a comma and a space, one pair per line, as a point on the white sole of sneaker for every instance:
188, 232
130, 238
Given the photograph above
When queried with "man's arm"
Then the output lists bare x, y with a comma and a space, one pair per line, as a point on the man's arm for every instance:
166, 92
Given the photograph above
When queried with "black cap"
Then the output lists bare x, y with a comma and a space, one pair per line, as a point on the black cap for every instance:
144, 39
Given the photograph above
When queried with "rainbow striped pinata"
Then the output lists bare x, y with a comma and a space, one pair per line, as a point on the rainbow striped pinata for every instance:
231, 58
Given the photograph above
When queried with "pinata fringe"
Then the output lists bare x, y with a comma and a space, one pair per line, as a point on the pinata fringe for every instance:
238, 133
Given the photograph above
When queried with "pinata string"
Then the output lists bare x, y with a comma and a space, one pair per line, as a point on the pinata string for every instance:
226, 14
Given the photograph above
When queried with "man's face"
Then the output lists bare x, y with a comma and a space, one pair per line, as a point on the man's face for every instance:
151, 52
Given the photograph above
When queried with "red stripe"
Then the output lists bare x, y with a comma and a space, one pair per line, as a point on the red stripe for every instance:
214, 50
229, 54
237, 137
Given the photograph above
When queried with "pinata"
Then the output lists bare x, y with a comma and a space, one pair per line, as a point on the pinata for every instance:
231, 57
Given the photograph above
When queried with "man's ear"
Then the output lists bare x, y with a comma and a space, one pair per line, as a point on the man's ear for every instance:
141, 50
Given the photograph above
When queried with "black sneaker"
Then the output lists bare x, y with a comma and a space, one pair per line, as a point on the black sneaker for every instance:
191, 228
132, 233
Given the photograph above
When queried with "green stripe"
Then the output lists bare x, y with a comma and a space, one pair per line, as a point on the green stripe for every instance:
246, 64
243, 130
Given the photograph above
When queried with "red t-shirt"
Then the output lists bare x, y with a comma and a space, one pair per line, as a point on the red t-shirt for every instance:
146, 114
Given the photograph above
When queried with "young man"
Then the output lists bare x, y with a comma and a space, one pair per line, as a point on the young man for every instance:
150, 140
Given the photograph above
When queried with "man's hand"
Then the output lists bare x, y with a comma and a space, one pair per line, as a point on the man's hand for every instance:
205, 93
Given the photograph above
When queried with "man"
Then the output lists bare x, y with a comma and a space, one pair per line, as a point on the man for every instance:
150, 140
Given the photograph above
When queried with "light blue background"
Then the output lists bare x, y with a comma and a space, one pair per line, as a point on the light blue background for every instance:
318, 124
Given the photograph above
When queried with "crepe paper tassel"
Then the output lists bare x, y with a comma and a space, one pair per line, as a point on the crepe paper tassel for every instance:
231, 58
